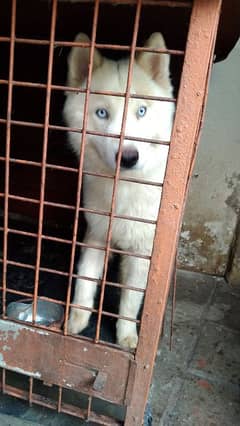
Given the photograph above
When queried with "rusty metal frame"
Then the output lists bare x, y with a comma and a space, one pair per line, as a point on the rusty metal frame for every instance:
87, 366
185, 137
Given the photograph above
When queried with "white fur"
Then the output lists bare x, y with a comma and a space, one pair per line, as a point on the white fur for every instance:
150, 77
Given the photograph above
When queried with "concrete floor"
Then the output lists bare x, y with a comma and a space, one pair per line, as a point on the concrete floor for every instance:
198, 382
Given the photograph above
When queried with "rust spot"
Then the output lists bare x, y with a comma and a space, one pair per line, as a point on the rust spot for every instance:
204, 384
202, 363
198, 249
233, 200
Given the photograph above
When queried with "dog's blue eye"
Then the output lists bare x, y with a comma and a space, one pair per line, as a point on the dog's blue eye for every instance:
102, 113
141, 111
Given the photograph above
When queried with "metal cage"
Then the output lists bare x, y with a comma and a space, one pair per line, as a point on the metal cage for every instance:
95, 368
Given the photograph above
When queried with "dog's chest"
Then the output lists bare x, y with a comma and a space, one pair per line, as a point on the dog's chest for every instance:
133, 200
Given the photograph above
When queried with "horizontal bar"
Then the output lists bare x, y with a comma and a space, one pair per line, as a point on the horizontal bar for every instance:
112, 315
80, 90
74, 305
62, 273
61, 240
37, 164
74, 170
69, 409
57, 239
125, 179
112, 250
160, 3
22, 394
83, 209
88, 132
71, 169
121, 47
18, 292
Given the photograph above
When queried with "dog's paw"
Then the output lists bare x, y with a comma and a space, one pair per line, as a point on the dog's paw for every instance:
126, 334
129, 342
78, 321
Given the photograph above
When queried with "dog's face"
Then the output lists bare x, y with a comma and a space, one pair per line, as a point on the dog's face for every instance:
145, 118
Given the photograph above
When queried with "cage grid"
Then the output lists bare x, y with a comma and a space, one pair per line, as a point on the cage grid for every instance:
97, 368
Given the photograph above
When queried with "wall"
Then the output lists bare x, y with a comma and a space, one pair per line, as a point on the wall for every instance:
213, 204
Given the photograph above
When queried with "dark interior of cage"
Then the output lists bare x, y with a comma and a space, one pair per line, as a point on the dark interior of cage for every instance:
115, 26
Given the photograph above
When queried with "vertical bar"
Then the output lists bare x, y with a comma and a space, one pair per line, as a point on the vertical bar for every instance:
30, 391
89, 407
80, 168
44, 156
3, 380
7, 161
59, 406
116, 177
185, 136
173, 301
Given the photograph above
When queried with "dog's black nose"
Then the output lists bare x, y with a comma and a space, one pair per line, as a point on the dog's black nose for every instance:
129, 158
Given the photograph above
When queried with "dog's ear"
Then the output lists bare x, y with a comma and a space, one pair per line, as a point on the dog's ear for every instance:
78, 61
156, 64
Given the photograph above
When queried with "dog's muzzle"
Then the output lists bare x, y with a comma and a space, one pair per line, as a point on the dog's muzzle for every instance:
129, 158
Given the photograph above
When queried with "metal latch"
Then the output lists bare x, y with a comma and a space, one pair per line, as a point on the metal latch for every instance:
100, 381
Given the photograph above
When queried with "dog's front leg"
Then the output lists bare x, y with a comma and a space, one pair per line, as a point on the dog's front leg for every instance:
134, 273
91, 266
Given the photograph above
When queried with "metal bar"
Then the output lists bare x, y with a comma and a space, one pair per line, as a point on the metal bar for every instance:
44, 155
199, 53
66, 408
161, 3
3, 381
56, 272
7, 163
88, 132
98, 45
120, 47
112, 250
30, 391
20, 198
92, 92
125, 179
19, 293
108, 135
89, 407
81, 159
21, 264
85, 172
23, 123
59, 408
173, 301
117, 170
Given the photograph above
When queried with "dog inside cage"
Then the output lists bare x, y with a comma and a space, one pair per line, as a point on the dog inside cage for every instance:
110, 101
132, 160
90, 198
86, 110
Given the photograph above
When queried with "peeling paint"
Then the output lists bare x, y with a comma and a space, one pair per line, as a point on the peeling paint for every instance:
6, 348
185, 235
68, 385
9, 327
7, 330
3, 364
233, 200
204, 247
214, 231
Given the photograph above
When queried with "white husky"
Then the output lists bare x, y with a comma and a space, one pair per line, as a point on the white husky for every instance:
140, 160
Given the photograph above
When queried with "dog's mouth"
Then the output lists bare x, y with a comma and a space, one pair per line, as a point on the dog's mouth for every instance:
129, 158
